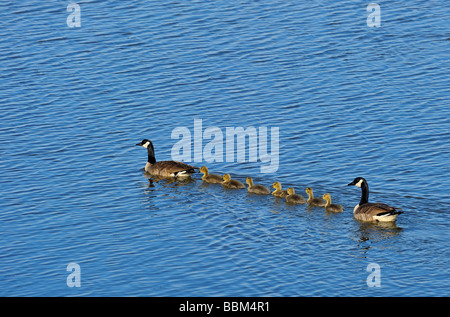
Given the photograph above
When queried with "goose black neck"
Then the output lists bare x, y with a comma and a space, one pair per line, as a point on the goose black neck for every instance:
364, 193
151, 154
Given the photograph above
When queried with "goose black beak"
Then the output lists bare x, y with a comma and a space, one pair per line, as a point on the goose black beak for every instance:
139, 143
352, 183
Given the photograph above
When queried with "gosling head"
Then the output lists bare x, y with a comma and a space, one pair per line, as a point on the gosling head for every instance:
204, 170
226, 177
358, 181
309, 191
327, 197
290, 191
145, 143
276, 185
249, 181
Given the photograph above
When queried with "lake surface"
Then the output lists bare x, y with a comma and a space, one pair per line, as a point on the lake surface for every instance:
348, 99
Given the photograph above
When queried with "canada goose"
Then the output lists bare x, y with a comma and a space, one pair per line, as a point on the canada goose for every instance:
210, 178
293, 198
278, 192
319, 202
256, 189
366, 211
331, 207
165, 168
231, 183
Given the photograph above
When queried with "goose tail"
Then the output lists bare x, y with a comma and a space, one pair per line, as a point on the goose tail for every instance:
390, 215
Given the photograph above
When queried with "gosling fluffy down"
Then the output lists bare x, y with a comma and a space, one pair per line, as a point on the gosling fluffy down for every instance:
231, 183
278, 192
210, 178
293, 198
331, 207
256, 189
318, 202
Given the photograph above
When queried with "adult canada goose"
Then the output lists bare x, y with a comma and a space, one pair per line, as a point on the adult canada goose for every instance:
256, 189
278, 192
231, 183
331, 207
165, 168
294, 198
210, 178
366, 211
319, 202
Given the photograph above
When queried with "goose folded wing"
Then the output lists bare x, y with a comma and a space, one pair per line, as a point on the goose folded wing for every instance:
173, 167
377, 209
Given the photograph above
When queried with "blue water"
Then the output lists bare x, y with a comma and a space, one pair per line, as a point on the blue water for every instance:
349, 100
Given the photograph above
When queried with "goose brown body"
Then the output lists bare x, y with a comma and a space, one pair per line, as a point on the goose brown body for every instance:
375, 212
165, 168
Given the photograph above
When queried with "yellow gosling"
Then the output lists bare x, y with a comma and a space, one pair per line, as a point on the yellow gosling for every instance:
294, 198
331, 207
231, 183
318, 202
210, 178
278, 192
256, 189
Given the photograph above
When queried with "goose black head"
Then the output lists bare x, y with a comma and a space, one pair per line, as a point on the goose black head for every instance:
145, 143
150, 150
358, 181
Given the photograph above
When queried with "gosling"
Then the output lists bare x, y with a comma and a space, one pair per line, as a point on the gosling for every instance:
278, 192
231, 183
256, 189
331, 207
294, 198
210, 178
318, 202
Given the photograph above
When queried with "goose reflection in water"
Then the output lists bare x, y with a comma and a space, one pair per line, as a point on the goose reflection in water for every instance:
370, 232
